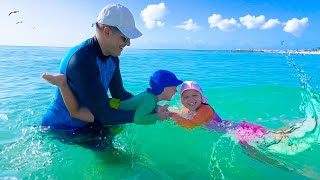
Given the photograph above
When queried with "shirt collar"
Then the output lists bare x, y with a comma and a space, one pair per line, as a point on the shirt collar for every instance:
97, 47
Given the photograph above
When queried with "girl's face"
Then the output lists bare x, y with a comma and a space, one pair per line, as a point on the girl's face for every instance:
191, 99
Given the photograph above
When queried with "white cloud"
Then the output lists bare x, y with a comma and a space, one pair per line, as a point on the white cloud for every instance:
215, 20
296, 26
228, 25
272, 23
152, 15
252, 22
189, 25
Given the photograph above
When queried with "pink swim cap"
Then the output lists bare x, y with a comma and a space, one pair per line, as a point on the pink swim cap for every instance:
192, 85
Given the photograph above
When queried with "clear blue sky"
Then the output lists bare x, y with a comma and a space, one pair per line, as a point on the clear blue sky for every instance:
169, 24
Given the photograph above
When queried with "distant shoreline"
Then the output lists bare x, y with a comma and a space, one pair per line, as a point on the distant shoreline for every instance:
221, 50
278, 51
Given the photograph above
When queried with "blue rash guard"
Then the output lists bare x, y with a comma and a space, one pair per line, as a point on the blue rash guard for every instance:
89, 74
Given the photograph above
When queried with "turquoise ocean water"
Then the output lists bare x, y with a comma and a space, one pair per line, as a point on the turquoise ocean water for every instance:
274, 90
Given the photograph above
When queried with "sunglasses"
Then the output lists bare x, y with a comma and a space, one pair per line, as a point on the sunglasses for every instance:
125, 39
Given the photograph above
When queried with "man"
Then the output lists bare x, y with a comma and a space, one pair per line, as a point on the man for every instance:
92, 68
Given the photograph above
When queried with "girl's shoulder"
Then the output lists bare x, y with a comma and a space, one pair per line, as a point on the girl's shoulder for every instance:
205, 107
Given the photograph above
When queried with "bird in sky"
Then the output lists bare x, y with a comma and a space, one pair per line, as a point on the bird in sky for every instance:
19, 22
12, 12
282, 42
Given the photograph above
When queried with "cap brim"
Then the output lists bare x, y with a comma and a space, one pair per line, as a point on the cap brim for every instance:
178, 82
131, 33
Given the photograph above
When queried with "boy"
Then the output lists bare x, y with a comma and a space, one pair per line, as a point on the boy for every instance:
163, 85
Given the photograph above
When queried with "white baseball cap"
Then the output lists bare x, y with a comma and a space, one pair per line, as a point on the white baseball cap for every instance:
119, 16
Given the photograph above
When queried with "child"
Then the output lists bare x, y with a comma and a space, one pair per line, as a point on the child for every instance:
163, 86
198, 112
289, 141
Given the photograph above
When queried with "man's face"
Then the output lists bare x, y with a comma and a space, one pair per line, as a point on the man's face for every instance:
115, 40
118, 42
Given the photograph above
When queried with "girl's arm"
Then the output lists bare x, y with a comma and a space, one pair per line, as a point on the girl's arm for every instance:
203, 115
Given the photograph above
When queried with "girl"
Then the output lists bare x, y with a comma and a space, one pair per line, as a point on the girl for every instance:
288, 141
199, 113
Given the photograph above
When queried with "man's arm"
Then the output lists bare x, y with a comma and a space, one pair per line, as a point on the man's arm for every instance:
72, 104
84, 80
116, 86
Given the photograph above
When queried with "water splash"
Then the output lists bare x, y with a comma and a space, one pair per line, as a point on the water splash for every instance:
305, 134
217, 163
3, 117
28, 154
283, 152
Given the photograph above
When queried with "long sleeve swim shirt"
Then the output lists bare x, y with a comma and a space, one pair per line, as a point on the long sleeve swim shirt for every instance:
90, 75
144, 104
201, 116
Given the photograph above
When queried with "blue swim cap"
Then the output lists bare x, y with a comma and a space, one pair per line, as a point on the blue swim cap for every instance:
161, 79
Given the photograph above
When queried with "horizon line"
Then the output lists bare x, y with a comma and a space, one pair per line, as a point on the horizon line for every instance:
236, 49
